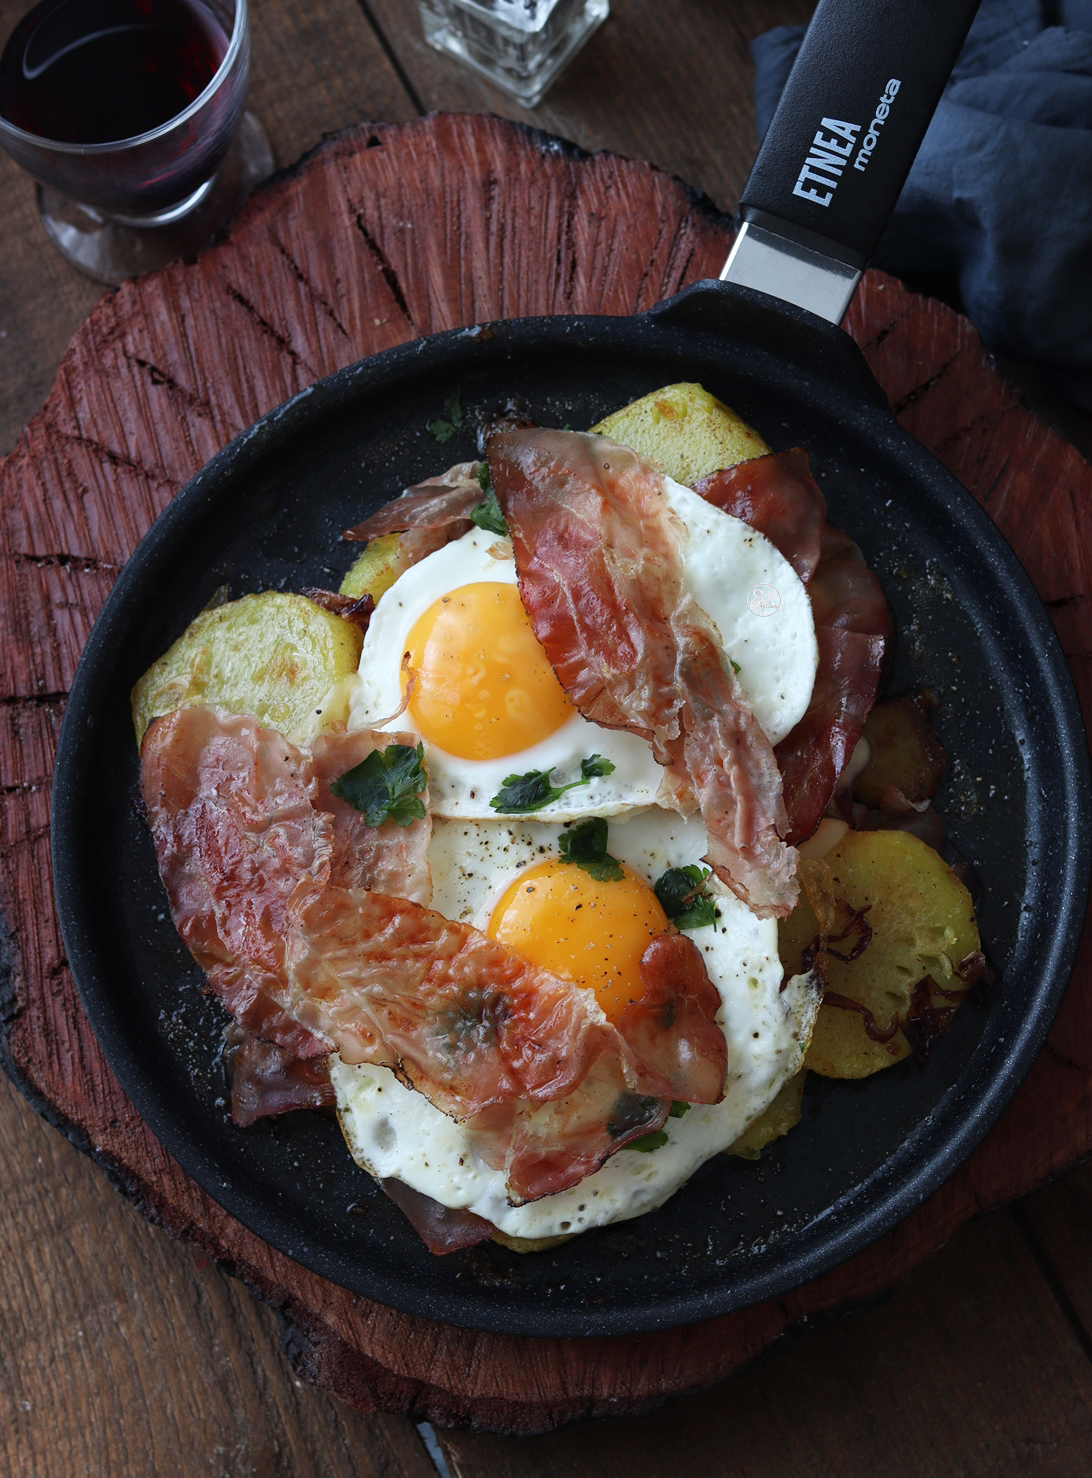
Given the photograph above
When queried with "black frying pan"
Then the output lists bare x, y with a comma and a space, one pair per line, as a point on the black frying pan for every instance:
267, 512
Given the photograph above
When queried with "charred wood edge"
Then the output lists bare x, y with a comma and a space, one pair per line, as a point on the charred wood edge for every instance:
540, 139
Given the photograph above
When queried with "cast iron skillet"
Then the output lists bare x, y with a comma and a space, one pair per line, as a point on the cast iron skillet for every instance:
268, 511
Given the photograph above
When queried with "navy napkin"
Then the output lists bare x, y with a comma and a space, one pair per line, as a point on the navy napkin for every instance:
1000, 196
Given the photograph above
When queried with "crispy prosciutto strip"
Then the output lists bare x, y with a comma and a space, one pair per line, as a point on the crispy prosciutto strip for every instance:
441, 1228
386, 859
250, 855
852, 627
268, 1080
778, 496
440, 506
673, 1026
600, 573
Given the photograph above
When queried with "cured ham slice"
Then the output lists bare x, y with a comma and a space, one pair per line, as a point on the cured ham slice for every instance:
442, 1229
235, 832
600, 573
549, 1147
268, 1080
251, 849
852, 628
440, 506
385, 859
778, 496
673, 1027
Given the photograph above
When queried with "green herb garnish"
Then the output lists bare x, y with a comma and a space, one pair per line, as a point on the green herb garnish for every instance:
522, 794
678, 1109
444, 430
735, 666
586, 845
487, 514
681, 895
387, 785
648, 1142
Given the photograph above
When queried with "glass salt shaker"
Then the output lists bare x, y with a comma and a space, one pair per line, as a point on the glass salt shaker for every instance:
521, 45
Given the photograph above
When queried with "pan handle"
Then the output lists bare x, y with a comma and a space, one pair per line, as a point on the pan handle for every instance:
859, 98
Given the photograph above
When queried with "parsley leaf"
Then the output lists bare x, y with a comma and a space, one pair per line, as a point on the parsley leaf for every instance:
522, 794
387, 785
487, 514
680, 891
647, 1142
586, 845
735, 666
444, 430
678, 1109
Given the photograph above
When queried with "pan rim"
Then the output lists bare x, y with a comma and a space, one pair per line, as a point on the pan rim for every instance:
893, 1202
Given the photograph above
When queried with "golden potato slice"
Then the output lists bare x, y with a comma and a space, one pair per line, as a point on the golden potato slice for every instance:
375, 571
779, 1116
922, 925
531, 1244
684, 431
903, 752
275, 655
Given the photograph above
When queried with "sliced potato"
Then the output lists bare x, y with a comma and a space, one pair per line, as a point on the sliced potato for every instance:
684, 431
903, 751
531, 1244
375, 570
922, 924
277, 656
778, 1117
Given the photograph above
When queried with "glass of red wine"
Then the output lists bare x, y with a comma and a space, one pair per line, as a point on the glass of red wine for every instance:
131, 115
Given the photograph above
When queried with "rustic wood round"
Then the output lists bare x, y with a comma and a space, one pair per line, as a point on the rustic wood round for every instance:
382, 234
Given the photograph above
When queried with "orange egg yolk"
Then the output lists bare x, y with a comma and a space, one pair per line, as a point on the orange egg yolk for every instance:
593, 933
483, 687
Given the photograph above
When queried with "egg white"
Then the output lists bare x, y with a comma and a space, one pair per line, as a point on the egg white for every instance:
393, 1131
724, 559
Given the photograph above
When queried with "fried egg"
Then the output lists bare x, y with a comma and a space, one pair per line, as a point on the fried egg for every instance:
507, 877
487, 703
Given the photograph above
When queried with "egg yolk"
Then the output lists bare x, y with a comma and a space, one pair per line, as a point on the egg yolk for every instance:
593, 933
483, 687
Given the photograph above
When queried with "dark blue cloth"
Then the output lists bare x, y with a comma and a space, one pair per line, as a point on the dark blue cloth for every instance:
1000, 196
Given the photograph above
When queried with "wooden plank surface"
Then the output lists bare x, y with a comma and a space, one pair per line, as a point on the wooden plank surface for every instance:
990, 1330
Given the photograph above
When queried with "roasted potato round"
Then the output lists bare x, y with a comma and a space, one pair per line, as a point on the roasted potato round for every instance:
684, 431
916, 922
275, 655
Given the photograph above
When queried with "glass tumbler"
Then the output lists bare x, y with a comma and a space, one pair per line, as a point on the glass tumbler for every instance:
521, 45
124, 207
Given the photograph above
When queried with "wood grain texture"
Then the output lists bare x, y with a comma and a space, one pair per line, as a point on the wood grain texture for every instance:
667, 83
296, 90
942, 1378
165, 371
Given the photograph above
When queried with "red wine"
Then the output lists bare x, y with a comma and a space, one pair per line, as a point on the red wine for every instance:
98, 71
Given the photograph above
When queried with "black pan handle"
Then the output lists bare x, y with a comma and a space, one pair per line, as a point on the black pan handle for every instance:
865, 84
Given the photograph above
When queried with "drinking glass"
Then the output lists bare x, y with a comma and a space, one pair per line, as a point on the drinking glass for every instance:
521, 45
120, 208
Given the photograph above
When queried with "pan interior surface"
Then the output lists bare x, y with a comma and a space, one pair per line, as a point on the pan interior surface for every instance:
268, 512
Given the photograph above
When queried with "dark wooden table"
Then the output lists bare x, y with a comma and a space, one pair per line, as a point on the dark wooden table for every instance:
124, 1355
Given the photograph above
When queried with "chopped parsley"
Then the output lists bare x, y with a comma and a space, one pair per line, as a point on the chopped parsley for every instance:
487, 514
444, 430
682, 897
387, 785
678, 1109
522, 794
735, 666
648, 1142
586, 845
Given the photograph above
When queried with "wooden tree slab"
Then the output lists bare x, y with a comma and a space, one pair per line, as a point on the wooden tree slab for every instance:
385, 233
